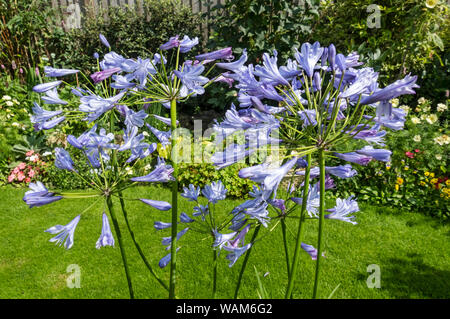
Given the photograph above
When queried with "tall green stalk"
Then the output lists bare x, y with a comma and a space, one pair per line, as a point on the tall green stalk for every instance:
138, 247
321, 219
293, 272
214, 288
173, 249
119, 239
244, 264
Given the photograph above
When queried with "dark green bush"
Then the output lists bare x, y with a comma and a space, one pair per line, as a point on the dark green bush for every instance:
129, 33
205, 173
410, 34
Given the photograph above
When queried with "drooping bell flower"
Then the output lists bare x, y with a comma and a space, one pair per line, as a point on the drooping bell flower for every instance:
102, 75
225, 54
65, 233
161, 205
106, 237
63, 159
39, 195
173, 42
104, 41
44, 87
214, 192
52, 72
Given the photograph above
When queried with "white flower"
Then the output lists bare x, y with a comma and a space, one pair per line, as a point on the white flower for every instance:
15, 124
145, 133
147, 167
395, 102
405, 108
441, 107
417, 138
15, 101
432, 118
426, 109
129, 170
422, 100
438, 157
6, 97
47, 153
415, 120
441, 140
9, 103
431, 3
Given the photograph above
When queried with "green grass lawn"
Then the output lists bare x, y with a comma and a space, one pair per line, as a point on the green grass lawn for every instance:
411, 250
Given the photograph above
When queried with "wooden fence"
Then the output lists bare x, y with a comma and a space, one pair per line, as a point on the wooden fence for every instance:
72, 11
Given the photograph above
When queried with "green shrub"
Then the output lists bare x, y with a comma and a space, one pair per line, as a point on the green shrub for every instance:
410, 35
128, 33
29, 30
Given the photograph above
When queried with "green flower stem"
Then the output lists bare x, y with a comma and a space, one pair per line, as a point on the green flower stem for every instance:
173, 250
293, 273
286, 250
138, 247
321, 219
214, 288
119, 239
244, 264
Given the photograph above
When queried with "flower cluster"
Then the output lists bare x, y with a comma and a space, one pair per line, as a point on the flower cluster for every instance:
26, 172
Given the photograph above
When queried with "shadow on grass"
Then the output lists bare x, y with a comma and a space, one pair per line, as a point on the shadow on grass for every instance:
410, 277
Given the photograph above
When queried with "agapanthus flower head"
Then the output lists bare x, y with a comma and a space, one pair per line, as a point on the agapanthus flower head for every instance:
65, 233
106, 237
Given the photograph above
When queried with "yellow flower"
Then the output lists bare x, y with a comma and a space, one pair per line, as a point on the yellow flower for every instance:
399, 180
431, 175
422, 183
388, 167
406, 168
397, 187
427, 173
434, 181
447, 182
163, 151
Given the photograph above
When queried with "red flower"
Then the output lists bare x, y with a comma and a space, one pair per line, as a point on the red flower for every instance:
409, 154
417, 150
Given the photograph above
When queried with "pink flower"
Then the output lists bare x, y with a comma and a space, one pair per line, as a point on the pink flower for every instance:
11, 178
21, 176
16, 170
27, 180
31, 173
22, 165
417, 150
29, 153
409, 154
